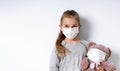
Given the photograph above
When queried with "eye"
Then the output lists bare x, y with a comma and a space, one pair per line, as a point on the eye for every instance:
74, 26
66, 26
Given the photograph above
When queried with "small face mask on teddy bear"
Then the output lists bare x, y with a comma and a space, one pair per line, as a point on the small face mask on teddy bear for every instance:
96, 56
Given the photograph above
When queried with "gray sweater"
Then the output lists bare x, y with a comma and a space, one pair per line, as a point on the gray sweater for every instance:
72, 61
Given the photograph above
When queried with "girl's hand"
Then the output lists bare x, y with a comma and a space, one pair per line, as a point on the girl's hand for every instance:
100, 68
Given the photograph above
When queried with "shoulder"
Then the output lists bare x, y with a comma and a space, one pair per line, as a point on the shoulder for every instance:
54, 50
85, 42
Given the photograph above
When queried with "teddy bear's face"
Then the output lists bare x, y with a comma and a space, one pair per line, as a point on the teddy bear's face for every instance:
96, 55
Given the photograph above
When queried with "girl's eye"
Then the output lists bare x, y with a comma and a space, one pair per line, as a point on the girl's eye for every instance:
66, 26
74, 26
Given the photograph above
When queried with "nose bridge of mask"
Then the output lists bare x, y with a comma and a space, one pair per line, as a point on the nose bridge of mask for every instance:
70, 30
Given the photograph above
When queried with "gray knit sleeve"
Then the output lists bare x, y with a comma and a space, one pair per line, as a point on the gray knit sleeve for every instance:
54, 61
85, 43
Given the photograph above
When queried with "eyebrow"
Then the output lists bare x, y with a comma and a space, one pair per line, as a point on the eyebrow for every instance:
67, 24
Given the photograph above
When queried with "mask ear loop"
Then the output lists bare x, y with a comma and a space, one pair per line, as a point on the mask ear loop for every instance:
97, 65
92, 65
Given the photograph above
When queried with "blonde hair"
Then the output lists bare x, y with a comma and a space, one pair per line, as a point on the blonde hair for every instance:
60, 48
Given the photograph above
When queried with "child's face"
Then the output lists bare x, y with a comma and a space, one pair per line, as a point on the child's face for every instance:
69, 23
70, 27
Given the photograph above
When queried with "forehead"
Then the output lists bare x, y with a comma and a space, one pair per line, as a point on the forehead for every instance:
69, 21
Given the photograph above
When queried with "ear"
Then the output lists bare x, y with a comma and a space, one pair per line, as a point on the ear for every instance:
109, 52
91, 44
60, 27
79, 26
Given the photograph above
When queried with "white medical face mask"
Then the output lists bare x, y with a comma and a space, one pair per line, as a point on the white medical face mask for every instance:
96, 55
70, 33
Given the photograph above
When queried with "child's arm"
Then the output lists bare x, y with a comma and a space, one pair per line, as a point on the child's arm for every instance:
54, 61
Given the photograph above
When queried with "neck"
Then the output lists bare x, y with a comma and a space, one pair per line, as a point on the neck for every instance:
72, 41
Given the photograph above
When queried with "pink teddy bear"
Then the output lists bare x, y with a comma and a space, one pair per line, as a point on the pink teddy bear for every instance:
96, 59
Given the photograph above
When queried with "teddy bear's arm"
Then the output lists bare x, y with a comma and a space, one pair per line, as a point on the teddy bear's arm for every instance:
84, 64
109, 67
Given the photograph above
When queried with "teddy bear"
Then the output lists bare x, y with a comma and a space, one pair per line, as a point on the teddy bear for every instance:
96, 59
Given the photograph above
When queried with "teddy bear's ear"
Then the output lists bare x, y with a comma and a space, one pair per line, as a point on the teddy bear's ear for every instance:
109, 52
91, 44
84, 64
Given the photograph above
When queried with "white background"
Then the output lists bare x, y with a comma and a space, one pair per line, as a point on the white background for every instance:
29, 28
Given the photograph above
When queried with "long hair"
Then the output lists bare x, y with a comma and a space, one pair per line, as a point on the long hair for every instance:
60, 48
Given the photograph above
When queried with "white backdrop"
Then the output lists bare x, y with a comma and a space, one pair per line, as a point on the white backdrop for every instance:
29, 28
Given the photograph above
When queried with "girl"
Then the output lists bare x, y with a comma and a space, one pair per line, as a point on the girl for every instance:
69, 50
